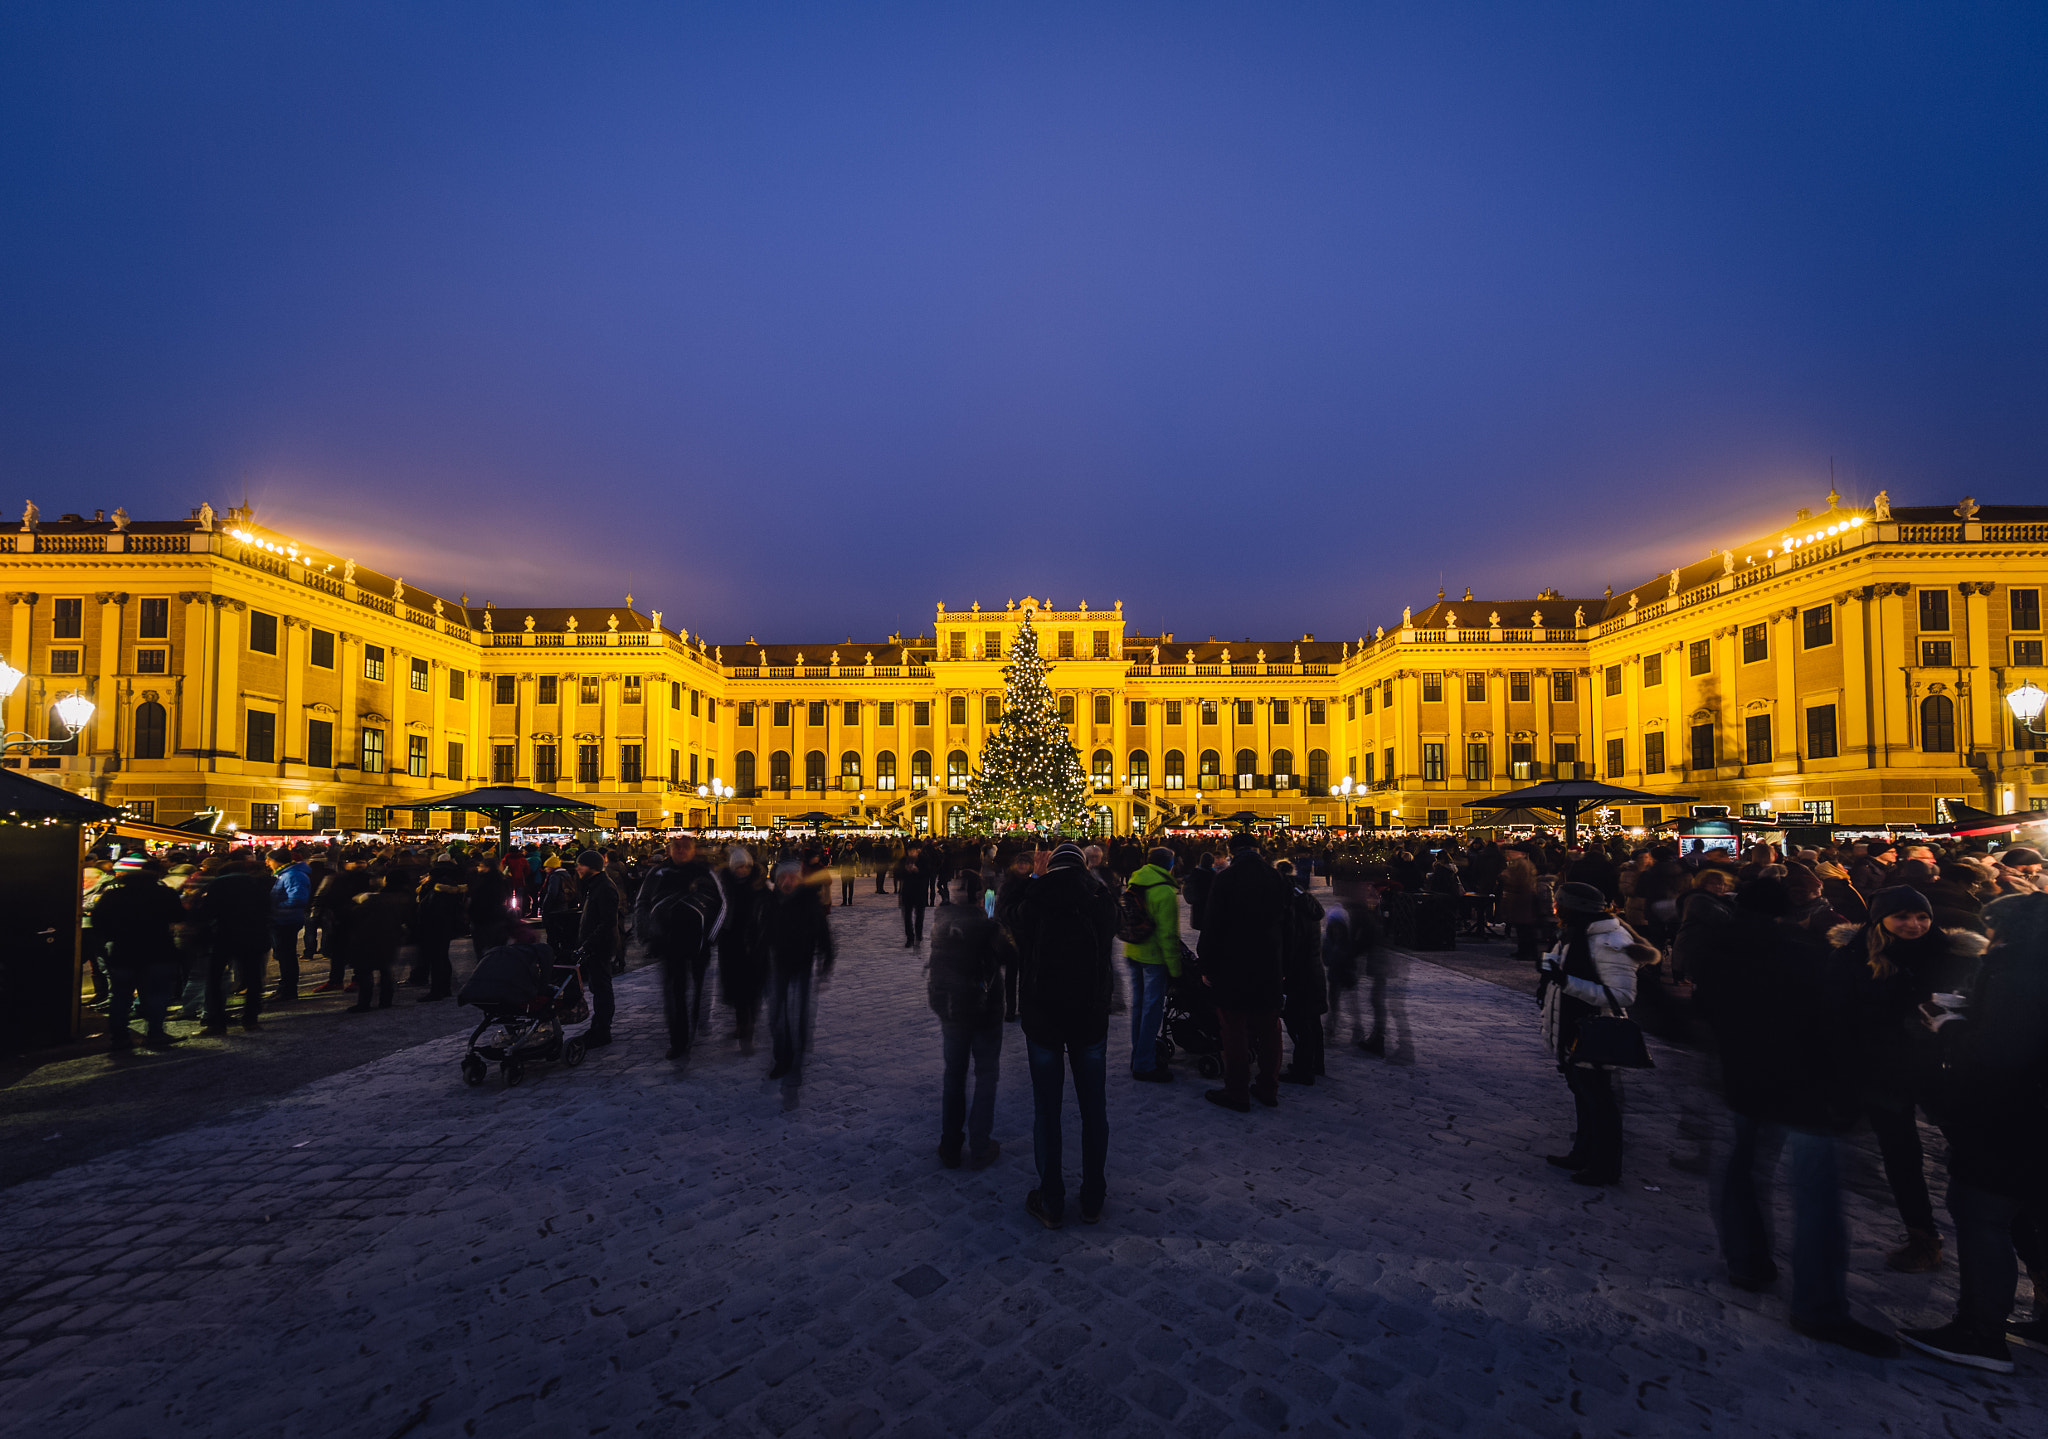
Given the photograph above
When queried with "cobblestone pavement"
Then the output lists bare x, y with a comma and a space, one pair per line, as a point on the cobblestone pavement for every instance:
626, 1249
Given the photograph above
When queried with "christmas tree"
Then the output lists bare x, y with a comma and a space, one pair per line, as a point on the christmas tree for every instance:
1030, 775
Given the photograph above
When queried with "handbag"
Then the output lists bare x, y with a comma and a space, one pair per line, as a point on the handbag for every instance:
1612, 1040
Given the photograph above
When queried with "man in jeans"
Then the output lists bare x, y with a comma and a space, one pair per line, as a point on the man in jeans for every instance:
1065, 923
966, 993
1243, 930
291, 894
1154, 960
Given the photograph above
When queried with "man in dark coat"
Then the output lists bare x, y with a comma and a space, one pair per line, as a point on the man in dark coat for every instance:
1306, 981
236, 908
597, 939
969, 953
438, 915
796, 934
1242, 939
677, 915
913, 893
1199, 879
133, 917
1065, 926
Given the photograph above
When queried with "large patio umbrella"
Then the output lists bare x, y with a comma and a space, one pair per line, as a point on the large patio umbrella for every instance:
505, 803
1570, 798
1505, 818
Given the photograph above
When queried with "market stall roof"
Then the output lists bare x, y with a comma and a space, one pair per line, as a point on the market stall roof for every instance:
1966, 821
25, 798
505, 803
1569, 798
129, 828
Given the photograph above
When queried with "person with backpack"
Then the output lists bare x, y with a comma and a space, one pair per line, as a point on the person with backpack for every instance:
1306, 983
1149, 926
1065, 923
1243, 939
677, 915
965, 991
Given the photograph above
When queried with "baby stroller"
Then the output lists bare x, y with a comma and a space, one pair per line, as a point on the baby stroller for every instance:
1190, 1025
527, 995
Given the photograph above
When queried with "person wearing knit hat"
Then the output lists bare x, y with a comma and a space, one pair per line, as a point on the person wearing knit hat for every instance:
2019, 870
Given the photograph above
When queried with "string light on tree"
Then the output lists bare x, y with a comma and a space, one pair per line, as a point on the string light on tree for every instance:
1031, 775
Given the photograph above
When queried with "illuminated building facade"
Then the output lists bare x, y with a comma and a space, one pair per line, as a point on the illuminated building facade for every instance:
1853, 663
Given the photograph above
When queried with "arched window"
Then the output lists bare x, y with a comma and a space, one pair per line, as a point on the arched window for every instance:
921, 770
778, 770
849, 770
150, 726
1212, 770
1173, 770
1283, 769
1247, 769
956, 818
1105, 822
956, 774
1318, 772
814, 770
743, 772
1102, 768
1937, 725
885, 769
1141, 771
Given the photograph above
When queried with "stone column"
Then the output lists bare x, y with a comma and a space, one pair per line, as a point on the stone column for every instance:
105, 735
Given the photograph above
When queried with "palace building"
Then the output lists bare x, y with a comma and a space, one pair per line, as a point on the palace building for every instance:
1852, 664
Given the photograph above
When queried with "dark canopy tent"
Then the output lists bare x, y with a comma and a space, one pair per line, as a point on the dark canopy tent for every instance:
1966, 821
42, 850
505, 803
1570, 798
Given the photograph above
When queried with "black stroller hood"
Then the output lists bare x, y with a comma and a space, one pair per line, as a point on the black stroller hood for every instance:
510, 974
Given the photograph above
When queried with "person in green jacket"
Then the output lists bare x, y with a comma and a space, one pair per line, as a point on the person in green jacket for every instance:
1154, 960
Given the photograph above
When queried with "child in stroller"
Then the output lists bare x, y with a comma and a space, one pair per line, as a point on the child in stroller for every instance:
527, 994
1190, 1025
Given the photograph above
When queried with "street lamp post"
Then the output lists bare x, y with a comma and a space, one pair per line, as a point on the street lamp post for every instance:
74, 712
1348, 791
717, 794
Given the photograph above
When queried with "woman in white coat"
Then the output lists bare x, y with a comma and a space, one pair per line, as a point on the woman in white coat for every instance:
1591, 970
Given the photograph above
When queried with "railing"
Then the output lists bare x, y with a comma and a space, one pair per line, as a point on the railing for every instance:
1315, 669
71, 544
817, 672
1819, 550
636, 638
1754, 575
1279, 669
460, 632
596, 637
1173, 671
1139, 671
254, 559
887, 672
782, 672
1699, 594
419, 617
375, 602
504, 642
1208, 669
1244, 669
1429, 637
920, 672
746, 672
2008, 534
1930, 534
554, 641
326, 584
1517, 636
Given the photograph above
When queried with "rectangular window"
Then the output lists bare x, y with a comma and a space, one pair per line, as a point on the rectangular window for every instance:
920, 714
1208, 711
547, 689
1521, 760
262, 743
547, 766
675, 694
814, 713
2026, 609
1653, 670
886, 713
420, 675
2026, 652
1699, 657
746, 715
155, 624
67, 620
1936, 654
503, 762
1611, 679
1101, 648
1066, 644
320, 744
1173, 712
1653, 814
693, 770
1475, 687
1478, 763
1820, 732
416, 755
1562, 688
1351, 707
457, 684
587, 691
1137, 714
375, 816
1518, 686
956, 645
849, 714
956, 709
1617, 758
1934, 610
1564, 754
373, 751
373, 662
505, 689
1367, 776
1279, 712
142, 809
631, 690
1390, 765
991, 644
1818, 624
1439, 818
675, 766
629, 764
1756, 739
454, 760
626, 818
587, 763
1066, 709
262, 633
65, 662
1432, 689
321, 651
1756, 643
1317, 713
1703, 746
782, 714
696, 703
264, 818
1653, 752
1366, 695
1432, 762
1244, 712
1102, 703
152, 662
1386, 694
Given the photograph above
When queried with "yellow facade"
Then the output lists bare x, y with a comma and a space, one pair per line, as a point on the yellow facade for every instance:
1854, 662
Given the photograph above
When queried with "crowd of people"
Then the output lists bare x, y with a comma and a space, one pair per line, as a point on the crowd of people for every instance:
1832, 986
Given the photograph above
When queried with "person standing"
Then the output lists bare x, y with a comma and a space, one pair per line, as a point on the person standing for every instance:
966, 992
238, 909
1304, 978
1591, 971
1065, 926
742, 970
677, 915
1243, 929
291, 896
1199, 879
490, 907
134, 916
796, 935
1154, 960
597, 940
913, 894
438, 911
374, 933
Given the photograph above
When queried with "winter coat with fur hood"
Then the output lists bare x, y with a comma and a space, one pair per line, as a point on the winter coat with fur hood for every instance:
1888, 1047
